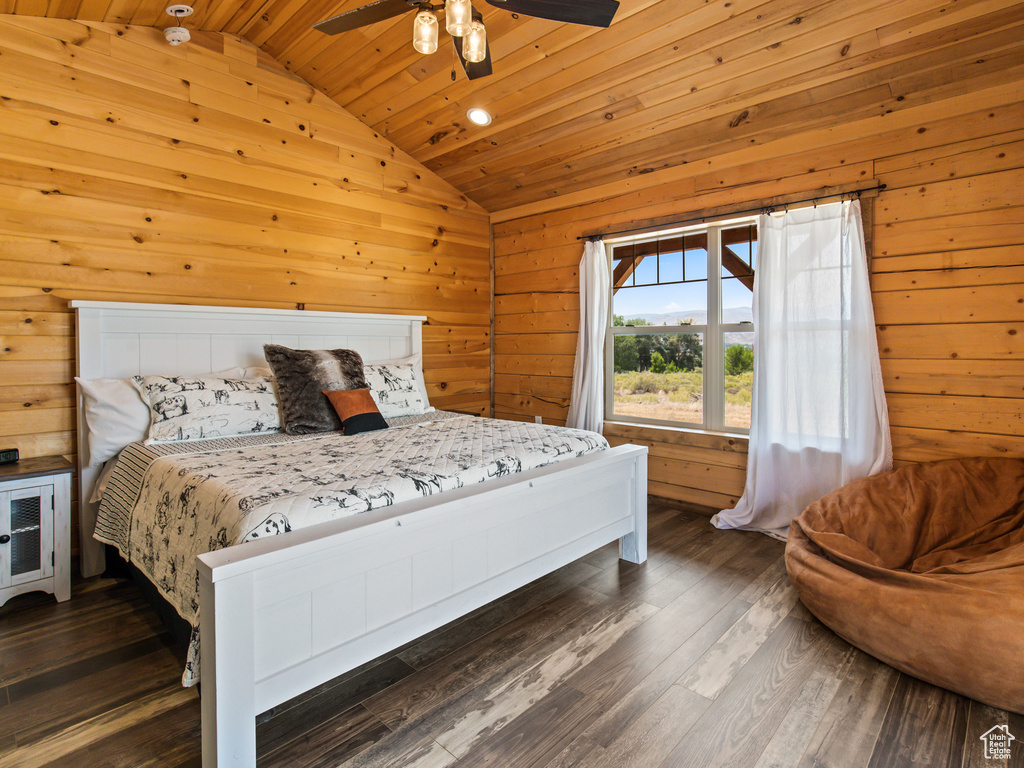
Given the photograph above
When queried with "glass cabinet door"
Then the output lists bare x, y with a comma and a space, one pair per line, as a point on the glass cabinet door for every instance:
26, 516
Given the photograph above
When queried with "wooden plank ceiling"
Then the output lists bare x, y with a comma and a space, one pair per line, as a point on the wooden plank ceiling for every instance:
670, 82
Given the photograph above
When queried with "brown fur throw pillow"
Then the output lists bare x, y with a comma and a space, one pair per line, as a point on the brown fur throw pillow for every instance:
302, 375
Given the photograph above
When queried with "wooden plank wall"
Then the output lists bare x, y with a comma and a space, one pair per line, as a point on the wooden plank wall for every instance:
206, 174
947, 272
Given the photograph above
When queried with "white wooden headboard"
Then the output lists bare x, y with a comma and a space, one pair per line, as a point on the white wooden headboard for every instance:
115, 341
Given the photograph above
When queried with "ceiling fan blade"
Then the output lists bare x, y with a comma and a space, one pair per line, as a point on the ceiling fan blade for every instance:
474, 69
379, 10
593, 13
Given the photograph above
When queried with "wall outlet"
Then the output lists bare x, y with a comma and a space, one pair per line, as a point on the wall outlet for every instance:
538, 420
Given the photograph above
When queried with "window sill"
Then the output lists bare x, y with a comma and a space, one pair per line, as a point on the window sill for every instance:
678, 435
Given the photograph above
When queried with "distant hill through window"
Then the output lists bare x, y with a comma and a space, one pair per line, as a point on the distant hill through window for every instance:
696, 316
700, 317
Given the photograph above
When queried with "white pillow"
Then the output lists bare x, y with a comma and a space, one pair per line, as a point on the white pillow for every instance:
195, 408
417, 366
397, 386
101, 482
116, 415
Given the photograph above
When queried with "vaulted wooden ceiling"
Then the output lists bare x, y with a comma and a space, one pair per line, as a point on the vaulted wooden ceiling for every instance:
670, 82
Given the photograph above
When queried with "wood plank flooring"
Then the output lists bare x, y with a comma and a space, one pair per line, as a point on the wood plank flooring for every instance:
701, 657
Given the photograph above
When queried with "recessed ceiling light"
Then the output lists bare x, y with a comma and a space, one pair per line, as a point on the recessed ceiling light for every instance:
479, 116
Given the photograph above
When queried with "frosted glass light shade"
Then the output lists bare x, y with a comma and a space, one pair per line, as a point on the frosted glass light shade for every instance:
424, 32
458, 16
474, 44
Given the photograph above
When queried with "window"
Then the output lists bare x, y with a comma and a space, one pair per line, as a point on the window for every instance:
669, 321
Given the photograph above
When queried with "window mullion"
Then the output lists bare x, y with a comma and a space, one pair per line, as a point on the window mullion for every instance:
609, 342
714, 355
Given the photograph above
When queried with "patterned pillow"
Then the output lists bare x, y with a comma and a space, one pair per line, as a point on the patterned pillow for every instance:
416, 361
194, 408
302, 375
395, 389
116, 414
357, 411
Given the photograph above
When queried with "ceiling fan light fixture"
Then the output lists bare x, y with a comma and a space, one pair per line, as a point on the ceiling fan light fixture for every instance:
458, 17
479, 116
471, 46
474, 44
424, 32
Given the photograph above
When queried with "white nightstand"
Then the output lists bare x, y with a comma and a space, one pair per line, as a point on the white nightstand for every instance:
35, 527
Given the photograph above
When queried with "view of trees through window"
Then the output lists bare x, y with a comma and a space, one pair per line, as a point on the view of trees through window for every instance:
667, 318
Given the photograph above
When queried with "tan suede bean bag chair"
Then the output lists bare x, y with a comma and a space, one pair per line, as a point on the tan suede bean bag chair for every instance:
923, 568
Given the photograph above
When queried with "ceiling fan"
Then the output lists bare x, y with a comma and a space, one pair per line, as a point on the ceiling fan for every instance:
465, 24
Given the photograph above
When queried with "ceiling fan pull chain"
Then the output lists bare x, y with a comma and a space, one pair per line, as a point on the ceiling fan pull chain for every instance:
453, 59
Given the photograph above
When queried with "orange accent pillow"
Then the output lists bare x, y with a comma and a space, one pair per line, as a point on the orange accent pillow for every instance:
356, 409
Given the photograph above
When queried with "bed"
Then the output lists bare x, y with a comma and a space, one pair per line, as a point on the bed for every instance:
285, 613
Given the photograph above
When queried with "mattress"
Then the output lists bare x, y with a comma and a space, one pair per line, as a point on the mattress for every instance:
165, 504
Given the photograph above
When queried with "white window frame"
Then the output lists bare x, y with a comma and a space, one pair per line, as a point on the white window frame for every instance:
713, 333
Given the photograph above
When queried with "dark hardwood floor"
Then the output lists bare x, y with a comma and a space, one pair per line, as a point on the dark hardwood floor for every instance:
701, 657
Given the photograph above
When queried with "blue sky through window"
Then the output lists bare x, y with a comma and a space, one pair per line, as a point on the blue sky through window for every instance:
647, 299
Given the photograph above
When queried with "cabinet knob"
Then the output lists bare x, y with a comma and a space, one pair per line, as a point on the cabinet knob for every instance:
4, 539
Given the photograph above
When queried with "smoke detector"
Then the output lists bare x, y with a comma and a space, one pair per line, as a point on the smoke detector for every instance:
177, 35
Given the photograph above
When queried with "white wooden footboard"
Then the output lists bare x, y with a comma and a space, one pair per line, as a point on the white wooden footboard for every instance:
282, 615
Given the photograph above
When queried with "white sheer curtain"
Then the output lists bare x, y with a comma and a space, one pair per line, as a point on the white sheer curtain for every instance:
819, 414
586, 409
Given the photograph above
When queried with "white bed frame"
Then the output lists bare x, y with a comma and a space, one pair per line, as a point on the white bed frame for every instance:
285, 614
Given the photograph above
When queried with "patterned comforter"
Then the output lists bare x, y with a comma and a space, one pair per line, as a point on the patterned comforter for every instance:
166, 504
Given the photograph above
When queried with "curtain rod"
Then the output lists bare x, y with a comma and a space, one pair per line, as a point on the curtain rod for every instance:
760, 209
